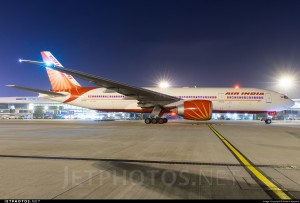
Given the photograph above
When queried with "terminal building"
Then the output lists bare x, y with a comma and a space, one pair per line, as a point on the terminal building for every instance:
39, 108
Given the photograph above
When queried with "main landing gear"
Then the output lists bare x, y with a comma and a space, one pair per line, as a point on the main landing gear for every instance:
156, 120
156, 116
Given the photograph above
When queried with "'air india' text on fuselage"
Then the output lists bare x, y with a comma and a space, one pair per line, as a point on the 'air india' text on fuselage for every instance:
244, 93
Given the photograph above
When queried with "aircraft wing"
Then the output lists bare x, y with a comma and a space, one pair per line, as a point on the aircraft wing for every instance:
145, 97
37, 91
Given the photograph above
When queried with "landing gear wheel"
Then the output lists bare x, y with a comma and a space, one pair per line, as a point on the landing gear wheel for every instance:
154, 121
160, 120
165, 120
268, 121
148, 120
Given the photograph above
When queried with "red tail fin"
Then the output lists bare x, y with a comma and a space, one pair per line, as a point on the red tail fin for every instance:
59, 81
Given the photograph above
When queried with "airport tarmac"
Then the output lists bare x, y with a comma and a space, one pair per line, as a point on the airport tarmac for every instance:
60, 159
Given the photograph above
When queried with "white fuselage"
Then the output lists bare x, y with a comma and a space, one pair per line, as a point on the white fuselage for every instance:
223, 99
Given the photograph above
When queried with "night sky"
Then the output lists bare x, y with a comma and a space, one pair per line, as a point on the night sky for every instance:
203, 43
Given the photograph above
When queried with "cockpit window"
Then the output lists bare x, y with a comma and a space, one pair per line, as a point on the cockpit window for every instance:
285, 97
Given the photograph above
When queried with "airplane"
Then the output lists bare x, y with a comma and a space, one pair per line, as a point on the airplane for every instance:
191, 103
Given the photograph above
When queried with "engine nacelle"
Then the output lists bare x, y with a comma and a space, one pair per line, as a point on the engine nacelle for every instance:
195, 110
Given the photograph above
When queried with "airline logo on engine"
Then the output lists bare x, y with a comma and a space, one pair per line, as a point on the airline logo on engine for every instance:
244, 93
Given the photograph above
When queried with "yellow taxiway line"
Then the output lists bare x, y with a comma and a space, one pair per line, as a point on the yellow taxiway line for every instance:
252, 169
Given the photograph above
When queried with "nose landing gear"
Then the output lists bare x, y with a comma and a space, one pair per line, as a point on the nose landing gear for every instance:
268, 121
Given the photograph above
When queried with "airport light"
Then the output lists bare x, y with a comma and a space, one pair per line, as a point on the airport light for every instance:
236, 86
286, 82
163, 84
46, 107
30, 107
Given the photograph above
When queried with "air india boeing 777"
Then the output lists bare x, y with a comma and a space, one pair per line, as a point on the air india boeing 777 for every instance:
191, 103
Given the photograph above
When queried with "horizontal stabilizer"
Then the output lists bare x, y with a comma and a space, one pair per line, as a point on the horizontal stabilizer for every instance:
37, 63
37, 91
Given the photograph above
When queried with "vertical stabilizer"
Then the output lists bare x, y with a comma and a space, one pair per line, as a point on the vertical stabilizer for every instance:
59, 81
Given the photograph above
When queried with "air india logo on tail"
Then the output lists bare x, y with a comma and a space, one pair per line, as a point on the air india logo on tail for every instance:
60, 81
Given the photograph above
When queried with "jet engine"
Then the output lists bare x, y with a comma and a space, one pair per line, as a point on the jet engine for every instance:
195, 110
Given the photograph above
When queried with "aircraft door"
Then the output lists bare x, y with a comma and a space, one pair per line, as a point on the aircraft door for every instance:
221, 103
268, 98
221, 96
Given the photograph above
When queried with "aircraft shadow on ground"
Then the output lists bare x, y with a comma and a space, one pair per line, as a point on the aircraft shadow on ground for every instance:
174, 183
